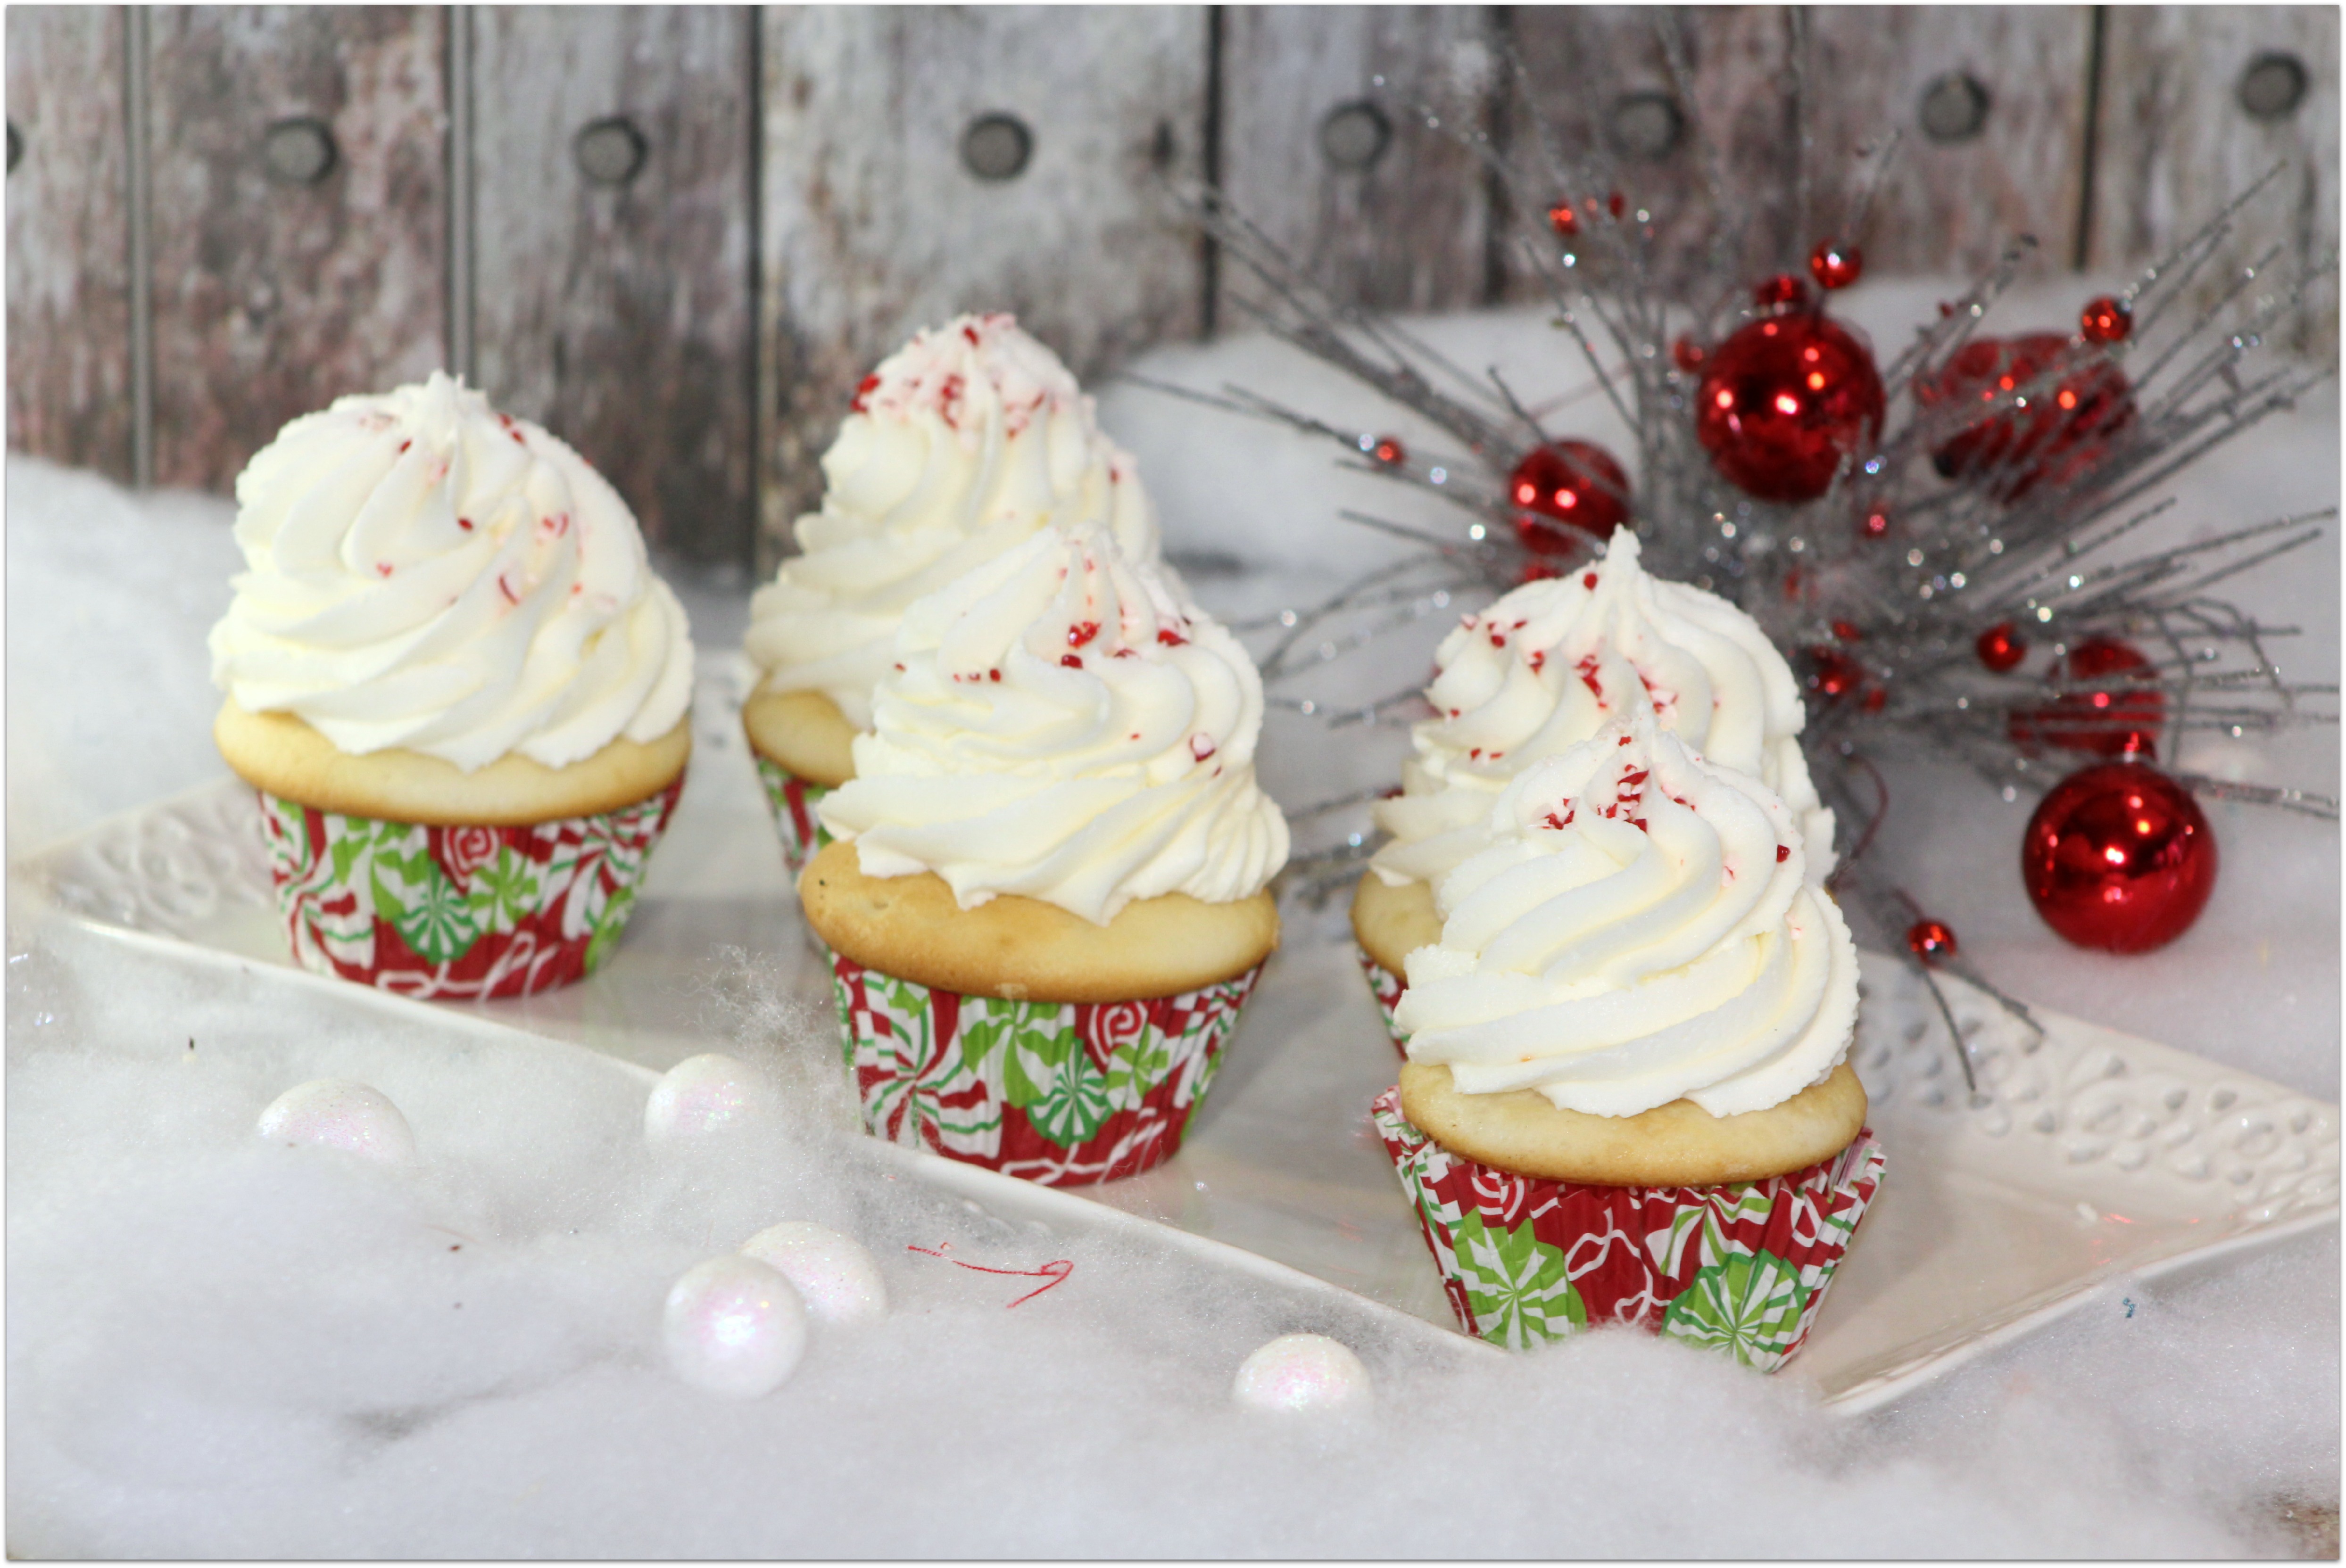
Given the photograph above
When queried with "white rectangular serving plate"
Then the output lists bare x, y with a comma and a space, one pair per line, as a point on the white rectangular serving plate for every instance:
2086, 1155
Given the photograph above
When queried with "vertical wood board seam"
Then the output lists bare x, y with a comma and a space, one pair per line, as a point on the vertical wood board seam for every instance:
140, 150
462, 359
2089, 149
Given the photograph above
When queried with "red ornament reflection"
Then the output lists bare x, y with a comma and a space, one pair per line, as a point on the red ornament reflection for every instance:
2121, 719
1832, 674
2118, 857
2106, 320
1567, 494
1836, 266
1783, 402
1930, 941
2001, 648
2067, 429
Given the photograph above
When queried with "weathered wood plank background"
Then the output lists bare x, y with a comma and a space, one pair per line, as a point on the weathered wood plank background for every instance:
679, 236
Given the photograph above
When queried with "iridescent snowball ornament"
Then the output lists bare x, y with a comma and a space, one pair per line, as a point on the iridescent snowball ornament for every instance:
335, 1114
1300, 1372
1567, 493
1784, 401
2118, 857
734, 1327
835, 1274
704, 1094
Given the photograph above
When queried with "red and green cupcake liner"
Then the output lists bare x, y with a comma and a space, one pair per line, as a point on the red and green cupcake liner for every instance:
462, 912
1741, 1269
1059, 1093
1387, 988
792, 800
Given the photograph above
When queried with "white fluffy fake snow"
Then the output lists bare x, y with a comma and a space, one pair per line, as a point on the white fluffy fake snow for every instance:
217, 1345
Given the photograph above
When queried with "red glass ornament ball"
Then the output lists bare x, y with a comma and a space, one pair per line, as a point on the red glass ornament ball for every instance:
1563, 220
1930, 941
1783, 402
2001, 648
2118, 857
2121, 719
2067, 429
1566, 493
1832, 674
1389, 451
2106, 320
1835, 266
1688, 355
1783, 289
1874, 524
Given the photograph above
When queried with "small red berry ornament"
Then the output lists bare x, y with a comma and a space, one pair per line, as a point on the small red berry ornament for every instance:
1832, 674
1563, 220
1836, 266
2122, 718
1688, 355
1874, 524
2118, 858
1567, 494
1930, 941
1389, 451
2001, 648
2106, 320
2064, 434
1783, 402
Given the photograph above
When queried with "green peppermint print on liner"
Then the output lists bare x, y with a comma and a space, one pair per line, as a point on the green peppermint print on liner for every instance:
1749, 1306
458, 910
505, 891
1519, 1285
431, 916
1053, 1092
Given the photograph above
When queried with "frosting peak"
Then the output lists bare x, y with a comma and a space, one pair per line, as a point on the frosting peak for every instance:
426, 573
965, 440
1639, 928
1059, 723
1552, 661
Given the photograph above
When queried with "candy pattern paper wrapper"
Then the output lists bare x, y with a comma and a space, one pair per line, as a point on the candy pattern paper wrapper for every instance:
1742, 1268
1386, 987
794, 799
464, 911
1058, 1092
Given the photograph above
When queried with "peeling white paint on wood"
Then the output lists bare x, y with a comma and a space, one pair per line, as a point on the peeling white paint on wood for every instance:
619, 315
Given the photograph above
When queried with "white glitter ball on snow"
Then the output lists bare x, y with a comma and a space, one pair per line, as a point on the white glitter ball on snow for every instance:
734, 1327
836, 1277
339, 1114
710, 1094
1301, 1372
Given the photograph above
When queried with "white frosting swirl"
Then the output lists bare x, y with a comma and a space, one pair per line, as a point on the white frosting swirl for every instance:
426, 573
1638, 929
1059, 723
964, 442
1551, 661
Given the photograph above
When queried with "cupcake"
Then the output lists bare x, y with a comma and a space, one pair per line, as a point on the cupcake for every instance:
1048, 900
1540, 671
1626, 1099
459, 689
963, 444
